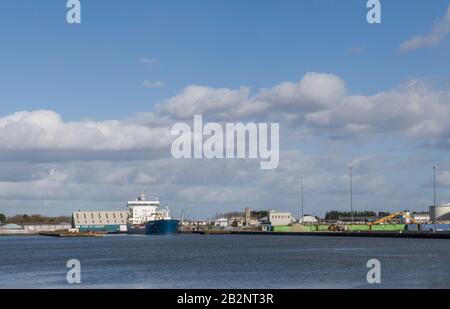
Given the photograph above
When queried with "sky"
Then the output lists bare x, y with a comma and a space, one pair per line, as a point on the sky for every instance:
86, 109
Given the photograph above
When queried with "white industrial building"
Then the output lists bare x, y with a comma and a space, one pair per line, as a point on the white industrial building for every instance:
13, 229
222, 222
30, 229
280, 218
422, 218
440, 213
36, 228
236, 221
307, 219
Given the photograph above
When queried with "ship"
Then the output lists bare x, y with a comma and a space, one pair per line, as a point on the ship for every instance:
147, 218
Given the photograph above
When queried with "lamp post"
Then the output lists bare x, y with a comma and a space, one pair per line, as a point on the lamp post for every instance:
351, 192
303, 214
434, 185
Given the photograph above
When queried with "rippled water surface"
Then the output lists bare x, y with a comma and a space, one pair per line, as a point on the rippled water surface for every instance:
223, 261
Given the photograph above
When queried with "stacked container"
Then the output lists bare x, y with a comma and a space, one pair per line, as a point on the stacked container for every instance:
388, 227
413, 227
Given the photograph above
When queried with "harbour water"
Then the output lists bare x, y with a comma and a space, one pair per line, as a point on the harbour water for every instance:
223, 261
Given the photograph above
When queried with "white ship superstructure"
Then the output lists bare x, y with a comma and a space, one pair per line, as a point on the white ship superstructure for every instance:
141, 211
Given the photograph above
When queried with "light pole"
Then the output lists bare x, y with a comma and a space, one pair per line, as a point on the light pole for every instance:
303, 214
434, 185
351, 192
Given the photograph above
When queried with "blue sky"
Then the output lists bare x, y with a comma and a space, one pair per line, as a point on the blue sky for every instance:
92, 70
97, 71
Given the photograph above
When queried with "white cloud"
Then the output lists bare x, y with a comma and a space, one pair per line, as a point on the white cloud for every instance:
152, 85
313, 92
148, 61
45, 130
439, 32
192, 100
414, 109
202, 186
317, 104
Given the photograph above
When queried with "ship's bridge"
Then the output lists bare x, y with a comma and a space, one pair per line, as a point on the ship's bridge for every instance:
141, 209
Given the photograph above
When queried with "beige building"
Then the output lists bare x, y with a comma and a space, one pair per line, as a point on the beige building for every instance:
91, 218
280, 218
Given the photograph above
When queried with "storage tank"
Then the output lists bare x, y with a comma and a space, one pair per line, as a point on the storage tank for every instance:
440, 213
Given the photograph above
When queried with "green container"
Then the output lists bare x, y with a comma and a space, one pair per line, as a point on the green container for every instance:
322, 227
401, 227
358, 227
311, 228
388, 227
284, 228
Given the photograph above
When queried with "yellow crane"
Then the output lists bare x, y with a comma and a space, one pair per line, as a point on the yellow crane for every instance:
400, 213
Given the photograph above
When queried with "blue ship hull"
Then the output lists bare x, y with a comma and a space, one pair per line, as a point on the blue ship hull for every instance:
157, 227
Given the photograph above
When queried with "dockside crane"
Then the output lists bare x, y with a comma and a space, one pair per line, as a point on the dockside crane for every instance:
392, 216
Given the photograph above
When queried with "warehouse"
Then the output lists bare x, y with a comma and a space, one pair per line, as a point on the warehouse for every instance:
33, 228
46, 227
100, 221
12, 229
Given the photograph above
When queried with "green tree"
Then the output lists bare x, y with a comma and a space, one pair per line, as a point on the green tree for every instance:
336, 214
383, 214
2, 218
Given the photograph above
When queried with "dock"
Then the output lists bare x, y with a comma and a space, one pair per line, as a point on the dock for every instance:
379, 234
67, 234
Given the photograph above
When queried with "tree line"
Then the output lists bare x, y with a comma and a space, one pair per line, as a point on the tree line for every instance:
20, 219
336, 214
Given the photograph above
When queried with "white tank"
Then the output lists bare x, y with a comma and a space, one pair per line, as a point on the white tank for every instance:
440, 212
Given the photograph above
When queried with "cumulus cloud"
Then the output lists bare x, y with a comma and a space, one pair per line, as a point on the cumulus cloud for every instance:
204, 100
413, 108
201, 187
319, 103
439, 32
45, 130
152, 85
100, 161
313, 92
